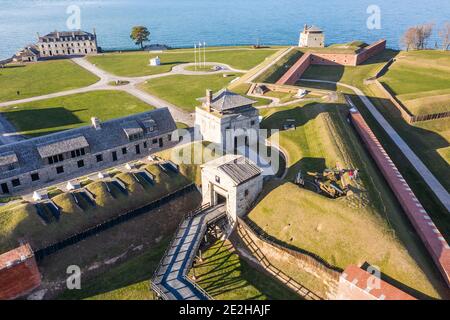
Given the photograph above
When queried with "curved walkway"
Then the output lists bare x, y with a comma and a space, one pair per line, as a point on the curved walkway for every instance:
105, 78
415, 161
170, 279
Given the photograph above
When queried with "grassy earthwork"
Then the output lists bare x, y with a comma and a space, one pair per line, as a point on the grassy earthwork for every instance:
62, 113
367, 226
36, 79
133, 64
20, 220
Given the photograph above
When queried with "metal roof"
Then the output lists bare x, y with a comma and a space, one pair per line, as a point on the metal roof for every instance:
65, 145
239, 168
8, 158
226, 100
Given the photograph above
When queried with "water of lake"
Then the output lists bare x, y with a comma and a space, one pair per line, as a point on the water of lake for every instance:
217, 22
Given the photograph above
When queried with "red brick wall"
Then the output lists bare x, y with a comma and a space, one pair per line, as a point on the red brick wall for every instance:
334, 59
340, 59
296, 71
17, 277
367, 52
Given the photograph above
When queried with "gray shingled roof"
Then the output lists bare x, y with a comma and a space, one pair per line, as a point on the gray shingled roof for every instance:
226, 100
110, 136
8, 158
53, 35
132, 127
314, 29
52, 148
240, 170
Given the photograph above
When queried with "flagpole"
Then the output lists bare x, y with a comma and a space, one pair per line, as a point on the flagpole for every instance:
195, 57
204, 51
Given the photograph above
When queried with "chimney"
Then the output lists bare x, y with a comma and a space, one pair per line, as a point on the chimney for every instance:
38, 36
209, 96
96, 123
305, 27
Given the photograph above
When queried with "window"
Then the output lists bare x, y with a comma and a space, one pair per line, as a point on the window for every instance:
15, 182
35, 176
124, 151
80, 163
145, 144
217, 179
246, 193
59, 169
138, 149
114, 155
77, 153
169, 137
155, 141
252, 123
99, 157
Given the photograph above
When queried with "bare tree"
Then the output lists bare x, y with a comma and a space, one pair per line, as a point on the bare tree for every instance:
417, 37
444, 34
424, 32
410, 39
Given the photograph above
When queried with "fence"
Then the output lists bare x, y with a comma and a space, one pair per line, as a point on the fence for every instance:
303, 255
42, 253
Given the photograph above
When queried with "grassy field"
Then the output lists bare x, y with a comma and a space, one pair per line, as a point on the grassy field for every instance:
421, 81
429, 139
41, 78
183, 91
368, 226
133, 64
19, 221
129, 280
276, 71
225, 276
62, 113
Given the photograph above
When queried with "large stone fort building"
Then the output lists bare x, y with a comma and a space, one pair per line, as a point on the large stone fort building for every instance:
32, 163
67, 43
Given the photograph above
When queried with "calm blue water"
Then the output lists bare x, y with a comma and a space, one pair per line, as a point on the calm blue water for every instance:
218, 22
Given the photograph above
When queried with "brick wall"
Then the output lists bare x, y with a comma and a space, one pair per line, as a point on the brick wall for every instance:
19, 274
330, 59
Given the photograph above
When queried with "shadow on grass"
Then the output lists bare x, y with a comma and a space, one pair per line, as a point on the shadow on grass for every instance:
226, 273
44, 118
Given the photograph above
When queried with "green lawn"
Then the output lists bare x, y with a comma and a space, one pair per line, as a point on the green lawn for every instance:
421, 81
367, 226
129, 280
41, 78
275, 72
183, 91
225, 276
135, 64
62, 113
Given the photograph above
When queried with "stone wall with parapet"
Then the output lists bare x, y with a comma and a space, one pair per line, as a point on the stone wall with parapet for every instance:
331, 59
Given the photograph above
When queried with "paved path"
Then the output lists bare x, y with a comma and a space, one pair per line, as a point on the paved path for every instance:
171, 276
132, 88
415, 161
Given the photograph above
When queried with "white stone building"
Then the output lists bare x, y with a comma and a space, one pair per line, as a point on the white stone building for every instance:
234, 180
67, 43
312, 37
155, 61
227, 119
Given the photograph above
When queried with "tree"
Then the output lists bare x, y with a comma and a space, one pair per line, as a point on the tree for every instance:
140, 34
444, 34
410, 39
417, 37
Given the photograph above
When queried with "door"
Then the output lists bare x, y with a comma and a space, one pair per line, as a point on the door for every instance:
5, 188
220, 199
161, 144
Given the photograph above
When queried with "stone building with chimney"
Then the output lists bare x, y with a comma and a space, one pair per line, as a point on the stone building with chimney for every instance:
311, 37
67, 43
226, 118
34, 163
